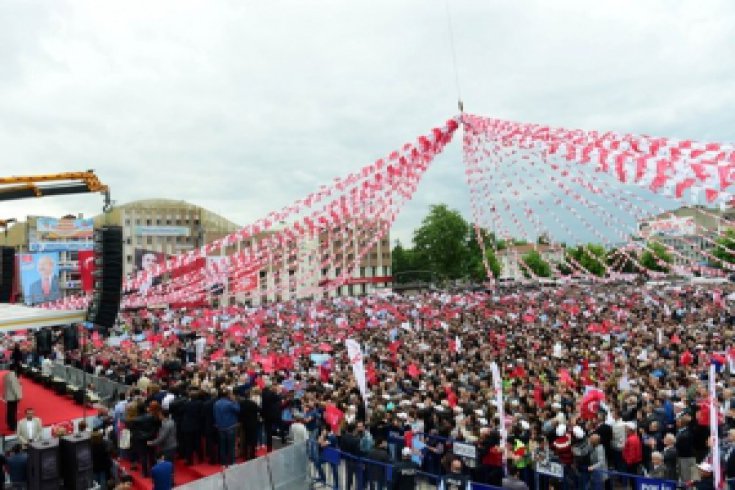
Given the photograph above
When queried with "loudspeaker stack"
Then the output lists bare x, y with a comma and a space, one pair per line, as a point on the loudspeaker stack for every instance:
7, 273
108, 262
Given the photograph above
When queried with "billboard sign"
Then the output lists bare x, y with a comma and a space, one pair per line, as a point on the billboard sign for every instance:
39, 276
161, 231
674, 226
65, 234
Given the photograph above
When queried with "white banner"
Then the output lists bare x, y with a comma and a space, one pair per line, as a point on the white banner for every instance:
713, 426
498, 388
354, 353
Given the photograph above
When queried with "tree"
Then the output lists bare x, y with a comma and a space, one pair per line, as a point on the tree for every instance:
537, 264
725, 248
656, 253
590, 256
623, 262
475, 266
441, 242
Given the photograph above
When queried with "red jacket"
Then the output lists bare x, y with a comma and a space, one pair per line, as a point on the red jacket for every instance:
633, 450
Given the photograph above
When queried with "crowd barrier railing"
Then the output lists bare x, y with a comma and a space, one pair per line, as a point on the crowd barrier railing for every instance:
333, 469
106, 389
283, 469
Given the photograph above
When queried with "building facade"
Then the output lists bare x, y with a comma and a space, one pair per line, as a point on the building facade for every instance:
690, 231
160, 228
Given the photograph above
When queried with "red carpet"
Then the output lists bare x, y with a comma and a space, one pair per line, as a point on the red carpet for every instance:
47, 405
183, 474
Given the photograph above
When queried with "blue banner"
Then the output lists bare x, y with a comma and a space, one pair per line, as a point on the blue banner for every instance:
74, 246
642, 483
39, 277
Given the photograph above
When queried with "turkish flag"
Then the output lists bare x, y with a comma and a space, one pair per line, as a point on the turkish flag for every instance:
333, 416
590, 404
86, 270
686, 358
413, 370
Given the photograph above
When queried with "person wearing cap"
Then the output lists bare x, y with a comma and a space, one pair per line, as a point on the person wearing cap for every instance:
706, 477
405, 472
457, 480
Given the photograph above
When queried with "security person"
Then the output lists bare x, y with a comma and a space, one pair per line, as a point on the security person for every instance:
455, 479
405, 472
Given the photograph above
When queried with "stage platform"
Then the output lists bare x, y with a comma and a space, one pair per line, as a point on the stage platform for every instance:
51, 408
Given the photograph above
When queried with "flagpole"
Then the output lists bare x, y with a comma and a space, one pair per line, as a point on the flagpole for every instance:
714, 425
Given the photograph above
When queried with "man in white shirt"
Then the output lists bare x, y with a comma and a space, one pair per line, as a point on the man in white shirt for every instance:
30, 429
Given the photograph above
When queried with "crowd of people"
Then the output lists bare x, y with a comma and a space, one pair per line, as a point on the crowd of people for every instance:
598, 378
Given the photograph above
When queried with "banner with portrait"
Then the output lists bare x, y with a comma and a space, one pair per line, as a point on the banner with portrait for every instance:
39, 276
146, 260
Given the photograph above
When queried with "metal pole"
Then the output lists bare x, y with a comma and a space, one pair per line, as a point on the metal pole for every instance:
84, 377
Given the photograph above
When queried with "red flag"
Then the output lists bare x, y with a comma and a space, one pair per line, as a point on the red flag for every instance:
333, 416
413, 370
686, 358
324, 347
590, 404
451, 396
566, 378
372, 375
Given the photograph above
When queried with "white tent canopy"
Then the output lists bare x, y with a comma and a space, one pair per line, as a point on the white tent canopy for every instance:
19, 317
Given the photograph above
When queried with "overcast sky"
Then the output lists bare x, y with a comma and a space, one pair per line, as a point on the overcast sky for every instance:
243, 107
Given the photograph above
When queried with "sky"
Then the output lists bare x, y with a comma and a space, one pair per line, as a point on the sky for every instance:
243, 107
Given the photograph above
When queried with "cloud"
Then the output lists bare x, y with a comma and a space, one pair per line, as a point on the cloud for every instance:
244, 107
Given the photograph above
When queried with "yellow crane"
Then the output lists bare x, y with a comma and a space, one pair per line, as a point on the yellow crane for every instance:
22, 187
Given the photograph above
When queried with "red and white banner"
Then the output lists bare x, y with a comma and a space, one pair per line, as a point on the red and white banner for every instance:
86, 269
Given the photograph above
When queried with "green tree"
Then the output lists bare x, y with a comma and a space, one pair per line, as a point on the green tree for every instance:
537, 264
655, 253
725, 248
441, 242
475, 265
590, 256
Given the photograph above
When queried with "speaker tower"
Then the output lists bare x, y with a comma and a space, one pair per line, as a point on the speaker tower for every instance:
108, 276
7, 273
43, 465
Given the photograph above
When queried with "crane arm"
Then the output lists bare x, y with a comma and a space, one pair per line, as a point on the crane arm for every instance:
21, 187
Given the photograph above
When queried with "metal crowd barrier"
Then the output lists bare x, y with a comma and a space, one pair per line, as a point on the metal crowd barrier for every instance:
283, 469
106, 389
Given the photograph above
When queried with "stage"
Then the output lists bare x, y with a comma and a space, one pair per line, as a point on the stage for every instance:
51, 408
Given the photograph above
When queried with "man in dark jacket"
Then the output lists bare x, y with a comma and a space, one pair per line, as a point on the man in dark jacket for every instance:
210, 431
142, 430
350, 444
226, 413
271, 411
249, 419
376, 472
191, 428
405, 472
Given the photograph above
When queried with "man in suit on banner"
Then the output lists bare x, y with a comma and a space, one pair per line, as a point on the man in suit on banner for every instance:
47, 287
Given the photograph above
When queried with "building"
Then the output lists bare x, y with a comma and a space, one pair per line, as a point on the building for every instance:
302, 276
688, 230
159, 228
509, 258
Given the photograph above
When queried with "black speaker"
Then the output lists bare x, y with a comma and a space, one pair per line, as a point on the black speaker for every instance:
7, 273
43, 465
108, 276
76, 462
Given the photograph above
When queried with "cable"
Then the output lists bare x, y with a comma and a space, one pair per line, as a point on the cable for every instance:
460, 104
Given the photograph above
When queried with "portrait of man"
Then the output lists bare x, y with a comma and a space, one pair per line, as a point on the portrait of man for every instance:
146, 260
46, 287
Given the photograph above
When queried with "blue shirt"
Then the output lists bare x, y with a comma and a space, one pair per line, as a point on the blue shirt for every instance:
162, 475
225, 413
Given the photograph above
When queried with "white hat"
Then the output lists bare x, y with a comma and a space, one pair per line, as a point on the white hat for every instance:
578, 432
706, 467
630, 425
525, 425
406, 451
561, 429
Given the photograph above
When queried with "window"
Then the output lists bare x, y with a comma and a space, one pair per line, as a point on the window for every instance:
127, 222
149, 240
129, 259
128, 241
137, 221
158, 222
148, 222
